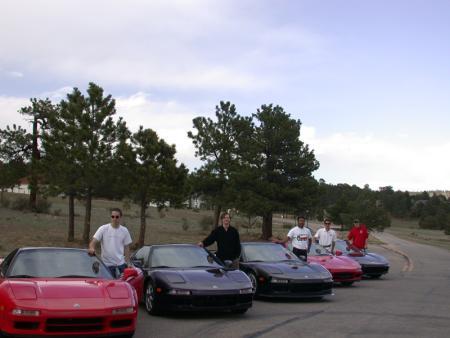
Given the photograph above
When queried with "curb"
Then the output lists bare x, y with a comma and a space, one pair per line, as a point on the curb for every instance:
409, 266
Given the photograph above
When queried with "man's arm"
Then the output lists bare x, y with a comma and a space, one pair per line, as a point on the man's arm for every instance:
126, 250
92, 245
208, 240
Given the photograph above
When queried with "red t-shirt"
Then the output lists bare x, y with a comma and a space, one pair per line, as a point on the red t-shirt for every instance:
359, 236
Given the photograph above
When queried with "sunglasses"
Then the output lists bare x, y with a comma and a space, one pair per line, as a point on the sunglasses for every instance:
327, 223
117, 217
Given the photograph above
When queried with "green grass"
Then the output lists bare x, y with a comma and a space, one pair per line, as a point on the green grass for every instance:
410, 230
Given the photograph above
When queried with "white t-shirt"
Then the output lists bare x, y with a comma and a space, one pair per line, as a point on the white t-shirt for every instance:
113, 241
326, 238
299, 237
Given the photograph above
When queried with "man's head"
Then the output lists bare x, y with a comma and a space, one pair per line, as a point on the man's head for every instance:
356, 222
226, 219
327, 223
301, 221
116, 215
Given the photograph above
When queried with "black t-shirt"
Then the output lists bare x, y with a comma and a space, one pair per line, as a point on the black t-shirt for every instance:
228, 242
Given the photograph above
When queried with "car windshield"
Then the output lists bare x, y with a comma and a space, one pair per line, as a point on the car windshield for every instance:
57, 263
318, 250
346, 248
267, 253
177, 256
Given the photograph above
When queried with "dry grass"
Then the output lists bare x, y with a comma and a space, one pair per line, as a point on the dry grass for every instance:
20, 228
410, 230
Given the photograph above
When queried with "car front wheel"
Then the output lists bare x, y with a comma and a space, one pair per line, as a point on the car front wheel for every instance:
151, 304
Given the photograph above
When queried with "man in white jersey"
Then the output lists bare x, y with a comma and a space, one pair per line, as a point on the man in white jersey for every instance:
115, 243
301, 239
326, 236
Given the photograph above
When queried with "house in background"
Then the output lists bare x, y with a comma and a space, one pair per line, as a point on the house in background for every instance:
21, 187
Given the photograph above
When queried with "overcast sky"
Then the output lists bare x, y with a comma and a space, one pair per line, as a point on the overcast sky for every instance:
370, 80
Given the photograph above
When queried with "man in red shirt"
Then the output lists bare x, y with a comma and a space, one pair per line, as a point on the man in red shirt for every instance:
358, 235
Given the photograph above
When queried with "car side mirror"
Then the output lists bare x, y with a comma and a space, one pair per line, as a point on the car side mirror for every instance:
129, 273
338, 253
138, 262
228, 263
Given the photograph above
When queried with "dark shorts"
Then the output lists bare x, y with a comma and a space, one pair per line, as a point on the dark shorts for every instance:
302, 254
116, 270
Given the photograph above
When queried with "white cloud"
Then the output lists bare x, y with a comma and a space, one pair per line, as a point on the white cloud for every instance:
402, 162
9, 115
170, 120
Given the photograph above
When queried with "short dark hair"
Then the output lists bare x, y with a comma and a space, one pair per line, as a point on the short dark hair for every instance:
222, 216
326, 220
300, 216
117, 210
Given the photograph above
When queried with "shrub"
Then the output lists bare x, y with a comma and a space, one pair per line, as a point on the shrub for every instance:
5, 203
43, 206
206, 223
21, 203
184, 224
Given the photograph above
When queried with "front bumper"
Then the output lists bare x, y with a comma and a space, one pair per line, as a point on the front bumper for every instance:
79, 323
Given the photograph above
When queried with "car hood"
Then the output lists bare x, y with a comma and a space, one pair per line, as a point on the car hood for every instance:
292, 270
206, 278
63, 293
335, 262
370, 259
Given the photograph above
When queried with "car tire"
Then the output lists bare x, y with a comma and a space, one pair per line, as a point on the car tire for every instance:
151, 304
254, 281
375, 276
347, 283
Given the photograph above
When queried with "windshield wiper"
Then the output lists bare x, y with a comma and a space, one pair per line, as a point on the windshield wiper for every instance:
74, 276
161, 267
206, 266
21, 276
256, 261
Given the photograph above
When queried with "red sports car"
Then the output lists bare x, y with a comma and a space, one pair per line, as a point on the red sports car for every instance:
343, 269
47, 292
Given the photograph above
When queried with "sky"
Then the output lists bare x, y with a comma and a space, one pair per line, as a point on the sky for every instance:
369, 80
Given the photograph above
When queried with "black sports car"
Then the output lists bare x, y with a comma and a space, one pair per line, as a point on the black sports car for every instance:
277, 272
185, 277
373, 265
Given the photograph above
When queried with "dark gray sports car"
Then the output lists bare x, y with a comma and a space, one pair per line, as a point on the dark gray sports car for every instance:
277, 272
373, 265
185, 277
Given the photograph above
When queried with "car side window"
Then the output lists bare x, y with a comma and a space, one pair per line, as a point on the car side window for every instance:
142, 255
6, 263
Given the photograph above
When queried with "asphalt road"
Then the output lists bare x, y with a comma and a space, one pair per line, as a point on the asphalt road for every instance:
412, 300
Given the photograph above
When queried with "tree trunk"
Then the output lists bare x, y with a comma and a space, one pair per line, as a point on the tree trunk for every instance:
33, 185
71, 233
2, 197
141, 240
267, 226
217, 210
87, 218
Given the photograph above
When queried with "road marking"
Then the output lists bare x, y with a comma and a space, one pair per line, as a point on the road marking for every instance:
409, 264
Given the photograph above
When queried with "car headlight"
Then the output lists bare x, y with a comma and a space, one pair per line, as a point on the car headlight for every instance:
123, 310
279, 281
21, 312
178, 292
246, 291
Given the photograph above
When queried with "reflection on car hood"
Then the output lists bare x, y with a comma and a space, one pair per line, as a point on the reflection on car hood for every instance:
335, 262
204, 278
292, 270
371, 258
56, 294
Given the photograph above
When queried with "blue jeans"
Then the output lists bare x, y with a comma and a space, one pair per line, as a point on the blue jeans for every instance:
116, 270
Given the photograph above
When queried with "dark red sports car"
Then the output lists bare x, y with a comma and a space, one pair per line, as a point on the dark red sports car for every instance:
47, 292
343, 269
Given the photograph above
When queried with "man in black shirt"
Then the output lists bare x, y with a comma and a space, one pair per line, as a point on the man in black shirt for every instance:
227, 239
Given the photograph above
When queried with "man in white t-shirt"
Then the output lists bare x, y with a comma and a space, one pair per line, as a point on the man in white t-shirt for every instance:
326, 236
301, 238
115, 243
